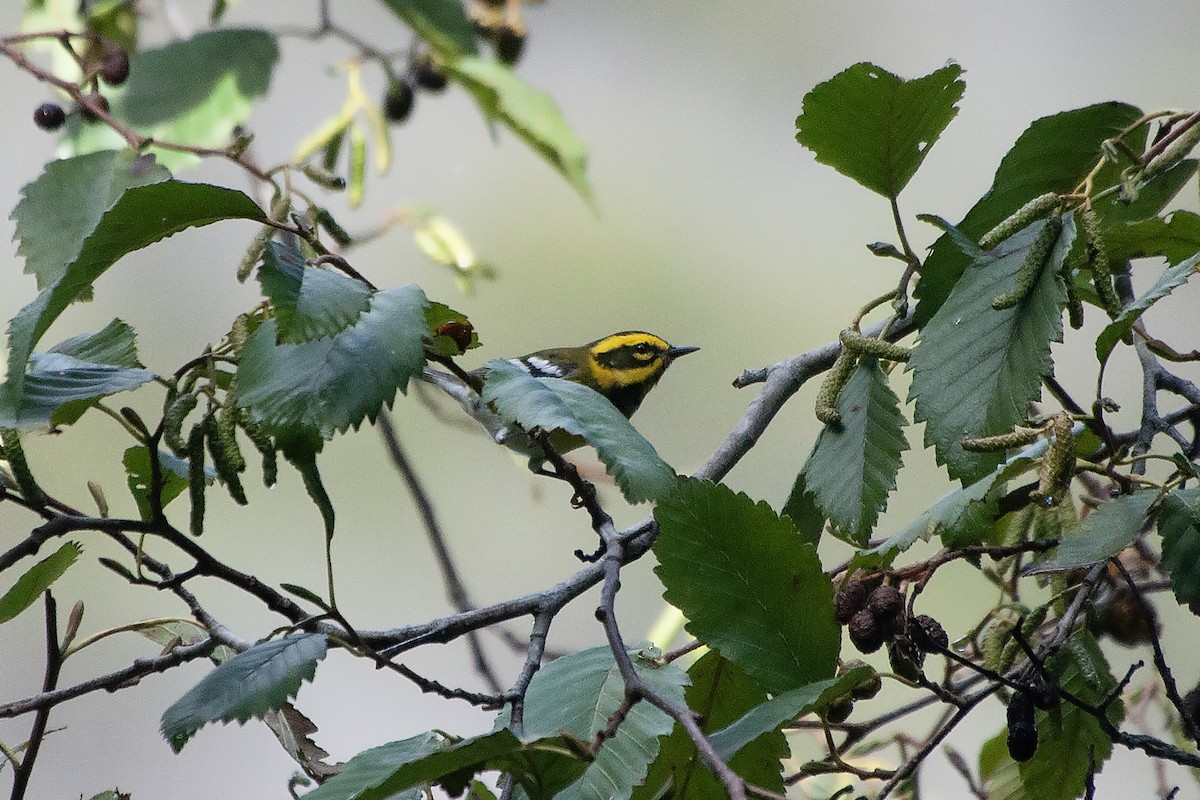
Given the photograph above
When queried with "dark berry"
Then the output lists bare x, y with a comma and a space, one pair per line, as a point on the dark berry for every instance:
114, 68
928, 634
1124, 619
839, 710
97, 99
865, 632
885, 603
429, 76
49, 116
398, 102
510, 43
868, 688
905, 659
459, 331
849, 601
1022, 728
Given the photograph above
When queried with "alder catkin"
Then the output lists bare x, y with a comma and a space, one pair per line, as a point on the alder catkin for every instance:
1035, 209
831, 387
872, 346
1031, 268
1097, 259
173, 418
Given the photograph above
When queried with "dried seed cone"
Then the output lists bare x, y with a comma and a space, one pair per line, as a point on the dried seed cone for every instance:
849, 600
866, 634
928, 634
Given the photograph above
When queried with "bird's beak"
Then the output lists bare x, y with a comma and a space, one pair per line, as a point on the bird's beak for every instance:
675, 352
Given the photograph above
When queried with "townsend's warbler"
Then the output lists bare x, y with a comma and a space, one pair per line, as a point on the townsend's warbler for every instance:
623, 367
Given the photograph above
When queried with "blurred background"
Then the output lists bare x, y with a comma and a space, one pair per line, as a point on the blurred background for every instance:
711, 227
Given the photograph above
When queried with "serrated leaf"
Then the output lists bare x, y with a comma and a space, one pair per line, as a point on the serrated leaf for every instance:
578, 694
783, 708
720, 693
998, 773
1179, 525
556, 404
748, 584
529, 113
1068, 736
976, 368
143, 215
962, 514
802, 510
1105, 532
194, 92
1053, 154
854, 464
1176, 238
330, 384
294, 732
383, 772
444, 24
137, 470
61, 207
37, 579
1171, 279
115, 344
309, 302
875, 127
248, 685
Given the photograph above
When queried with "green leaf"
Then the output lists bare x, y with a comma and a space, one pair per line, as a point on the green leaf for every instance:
556, 404
782, 708
999, 774
579, 693
442, 23
853, 466
875, 127
1105, 532
720, 693
545, 769
802, 510
196, 91
1179, 525
143, 216
1171, 279
137, 469
115, 345
1067, 736
385, 771
1176, 238
962, 515
330, 384
529, 113
37, 579
248, 685
748, 584
309, 302
976, 369
437, 315
1054, 154
62, 206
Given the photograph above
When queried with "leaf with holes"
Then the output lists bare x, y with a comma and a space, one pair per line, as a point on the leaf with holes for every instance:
875, 127
248, 685
976, 368
854, 464
748, 584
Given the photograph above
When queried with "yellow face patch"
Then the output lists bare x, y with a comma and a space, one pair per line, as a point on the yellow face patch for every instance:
627, 359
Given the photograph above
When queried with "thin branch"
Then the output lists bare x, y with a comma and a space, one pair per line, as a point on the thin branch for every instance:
456, 590
24, 771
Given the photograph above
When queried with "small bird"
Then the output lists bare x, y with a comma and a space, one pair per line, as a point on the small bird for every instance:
623, 367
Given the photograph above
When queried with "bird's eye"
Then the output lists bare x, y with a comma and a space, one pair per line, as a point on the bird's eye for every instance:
642, 348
